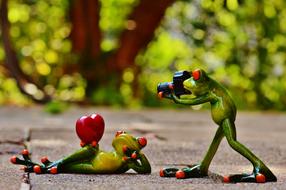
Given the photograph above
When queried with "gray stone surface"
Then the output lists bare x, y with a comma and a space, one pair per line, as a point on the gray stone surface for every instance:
10, 176
175, 137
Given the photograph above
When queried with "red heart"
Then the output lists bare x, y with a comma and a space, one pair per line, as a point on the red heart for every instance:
90, 128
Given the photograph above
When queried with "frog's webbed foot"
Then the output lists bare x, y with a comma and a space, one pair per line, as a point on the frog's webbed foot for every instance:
258, 176
168, 172
188, 172
30, 166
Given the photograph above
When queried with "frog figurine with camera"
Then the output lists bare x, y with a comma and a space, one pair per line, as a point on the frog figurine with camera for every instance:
196, 88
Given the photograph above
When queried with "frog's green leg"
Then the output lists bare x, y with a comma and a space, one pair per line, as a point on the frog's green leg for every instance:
82, 154
201, 170
261, 173
143, 167
204, 166
79, 167
85, 153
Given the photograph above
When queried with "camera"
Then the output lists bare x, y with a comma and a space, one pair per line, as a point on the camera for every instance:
177, 84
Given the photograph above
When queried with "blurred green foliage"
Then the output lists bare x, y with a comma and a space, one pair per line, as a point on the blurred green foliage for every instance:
241, 44
113, 16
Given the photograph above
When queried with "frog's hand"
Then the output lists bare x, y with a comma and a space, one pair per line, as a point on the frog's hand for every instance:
164, 95
193, 101
143, 167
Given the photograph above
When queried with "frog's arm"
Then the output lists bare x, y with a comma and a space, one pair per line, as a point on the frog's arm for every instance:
141, 168
193, 101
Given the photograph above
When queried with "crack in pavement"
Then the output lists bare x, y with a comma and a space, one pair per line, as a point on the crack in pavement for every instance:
25, 181
25, 185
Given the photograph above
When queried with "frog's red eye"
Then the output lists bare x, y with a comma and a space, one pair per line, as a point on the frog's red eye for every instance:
142, 141
196, 74
119, 133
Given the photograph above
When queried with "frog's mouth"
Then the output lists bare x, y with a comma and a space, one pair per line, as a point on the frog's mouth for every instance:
187, 90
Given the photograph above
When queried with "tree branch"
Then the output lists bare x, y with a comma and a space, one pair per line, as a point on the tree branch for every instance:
26, 85
140, 28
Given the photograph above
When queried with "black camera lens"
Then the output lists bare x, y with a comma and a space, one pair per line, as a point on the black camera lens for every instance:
177, 84
164, 87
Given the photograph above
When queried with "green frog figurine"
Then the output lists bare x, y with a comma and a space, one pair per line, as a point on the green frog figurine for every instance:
90, 159
197, 88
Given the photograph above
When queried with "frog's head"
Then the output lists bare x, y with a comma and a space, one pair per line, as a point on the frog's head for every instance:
124, 140
198, 83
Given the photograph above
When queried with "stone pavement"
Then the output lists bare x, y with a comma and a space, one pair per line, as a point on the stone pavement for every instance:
175, 137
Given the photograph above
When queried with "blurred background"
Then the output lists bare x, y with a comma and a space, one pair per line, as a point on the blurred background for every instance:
115, 52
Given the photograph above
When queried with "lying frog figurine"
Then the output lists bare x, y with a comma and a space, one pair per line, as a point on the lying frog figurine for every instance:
204, 89
90, 159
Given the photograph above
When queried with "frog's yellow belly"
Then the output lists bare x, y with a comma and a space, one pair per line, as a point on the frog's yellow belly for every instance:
222, 111
106, 162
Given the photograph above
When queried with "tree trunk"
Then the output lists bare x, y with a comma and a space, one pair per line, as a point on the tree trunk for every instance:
85, 33
140, 28
86, 39
98, 69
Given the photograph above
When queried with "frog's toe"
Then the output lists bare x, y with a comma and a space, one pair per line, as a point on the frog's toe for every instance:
180, 174
168, 172
161, 173
53, 170
264, 174
260, 178
26, 155
45, 160
25, 152
82, 144
226, 179
37, 169
14, 160
94, 144
192, 172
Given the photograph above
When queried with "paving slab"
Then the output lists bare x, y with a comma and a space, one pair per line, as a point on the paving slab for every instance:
11, 143
175, 137
10, 175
